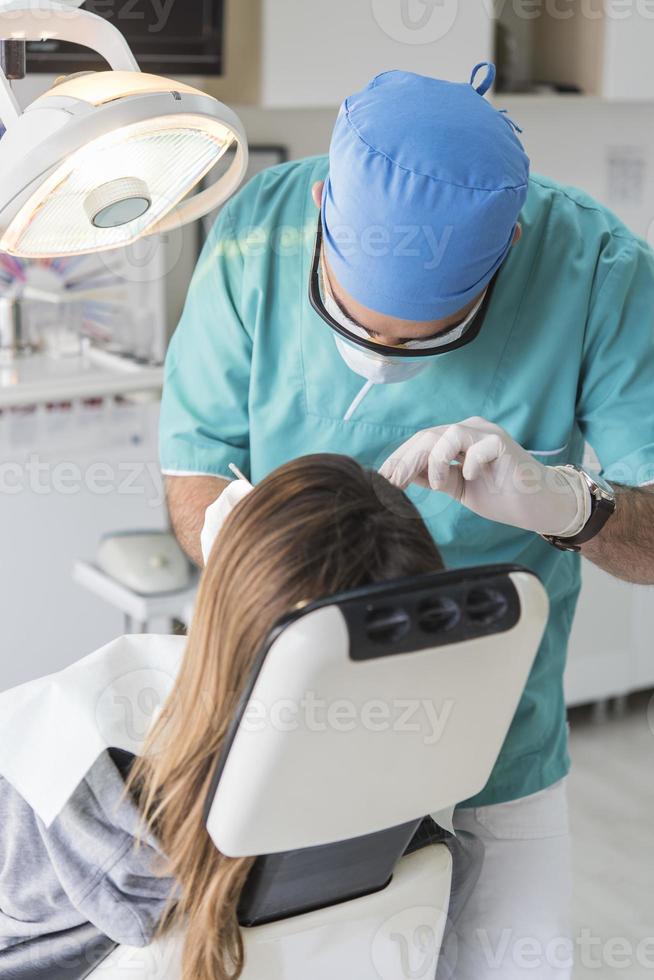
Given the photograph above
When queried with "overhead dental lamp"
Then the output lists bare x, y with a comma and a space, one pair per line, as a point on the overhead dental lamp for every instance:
103, 158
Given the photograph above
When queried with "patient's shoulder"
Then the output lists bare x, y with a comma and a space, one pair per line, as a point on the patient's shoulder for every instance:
53, 730
84, 867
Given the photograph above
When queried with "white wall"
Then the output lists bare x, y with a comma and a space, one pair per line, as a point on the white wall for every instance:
303, 131
584, 141
628, 39
78, 474
314, 54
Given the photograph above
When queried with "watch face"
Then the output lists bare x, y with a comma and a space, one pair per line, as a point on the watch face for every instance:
603, 485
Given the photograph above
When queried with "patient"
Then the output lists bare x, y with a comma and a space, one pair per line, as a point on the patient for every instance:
318, 525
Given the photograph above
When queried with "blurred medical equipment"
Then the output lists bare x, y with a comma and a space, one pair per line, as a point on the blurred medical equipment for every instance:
142, 613
103, 158
60, 334
13, 341
116, 301
148, 562
453, 648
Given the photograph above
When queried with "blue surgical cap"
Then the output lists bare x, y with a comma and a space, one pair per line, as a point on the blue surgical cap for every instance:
426, 182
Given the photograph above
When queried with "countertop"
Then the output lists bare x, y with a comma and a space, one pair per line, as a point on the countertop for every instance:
40, 377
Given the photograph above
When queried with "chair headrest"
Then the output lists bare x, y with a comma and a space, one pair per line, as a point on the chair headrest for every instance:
374, 707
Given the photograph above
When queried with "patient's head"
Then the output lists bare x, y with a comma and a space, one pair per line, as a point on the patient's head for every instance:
318, 525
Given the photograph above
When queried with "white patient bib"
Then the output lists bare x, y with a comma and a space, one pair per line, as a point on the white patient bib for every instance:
53, 729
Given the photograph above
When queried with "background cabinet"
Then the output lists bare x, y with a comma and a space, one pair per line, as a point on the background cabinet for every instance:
596, 47
290, 53
611, 650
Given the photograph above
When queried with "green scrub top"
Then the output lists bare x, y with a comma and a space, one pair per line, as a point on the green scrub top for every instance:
566, 355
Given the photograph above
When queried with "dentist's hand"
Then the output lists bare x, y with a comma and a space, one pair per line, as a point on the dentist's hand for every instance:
217, 513
483, 468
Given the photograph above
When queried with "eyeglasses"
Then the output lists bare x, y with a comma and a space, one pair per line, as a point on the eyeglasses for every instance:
439, 344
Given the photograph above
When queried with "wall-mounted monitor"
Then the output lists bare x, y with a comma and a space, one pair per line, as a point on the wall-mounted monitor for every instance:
168, 37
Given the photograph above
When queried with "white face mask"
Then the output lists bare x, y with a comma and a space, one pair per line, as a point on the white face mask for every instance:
382, 368
378, 368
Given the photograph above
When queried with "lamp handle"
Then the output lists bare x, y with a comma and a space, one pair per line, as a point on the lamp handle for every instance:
204, 202
44, 20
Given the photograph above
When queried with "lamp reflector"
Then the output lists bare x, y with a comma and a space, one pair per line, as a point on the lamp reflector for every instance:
157, 161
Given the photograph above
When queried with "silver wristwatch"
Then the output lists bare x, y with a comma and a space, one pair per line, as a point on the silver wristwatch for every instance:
602, 506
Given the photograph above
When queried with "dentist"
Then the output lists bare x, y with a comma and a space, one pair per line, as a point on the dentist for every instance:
466, 328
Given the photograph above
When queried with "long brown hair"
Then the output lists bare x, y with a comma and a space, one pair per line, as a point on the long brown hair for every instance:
317, 525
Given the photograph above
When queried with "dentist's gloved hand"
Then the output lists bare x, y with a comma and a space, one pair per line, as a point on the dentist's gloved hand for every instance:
482, 467
217, 513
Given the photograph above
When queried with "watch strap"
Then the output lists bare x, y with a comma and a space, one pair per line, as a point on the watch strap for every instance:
602, 507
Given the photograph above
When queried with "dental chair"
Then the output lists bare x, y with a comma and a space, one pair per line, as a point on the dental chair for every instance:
365, 713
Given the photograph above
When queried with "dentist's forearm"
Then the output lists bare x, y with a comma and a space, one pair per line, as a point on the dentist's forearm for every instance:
625, 545
188, 498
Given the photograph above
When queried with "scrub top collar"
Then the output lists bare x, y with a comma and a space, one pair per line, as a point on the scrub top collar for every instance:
441, 346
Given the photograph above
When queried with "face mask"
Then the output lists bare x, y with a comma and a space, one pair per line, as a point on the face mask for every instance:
380, 368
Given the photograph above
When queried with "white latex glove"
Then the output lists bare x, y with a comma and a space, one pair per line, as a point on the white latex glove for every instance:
217, 513
483, 468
